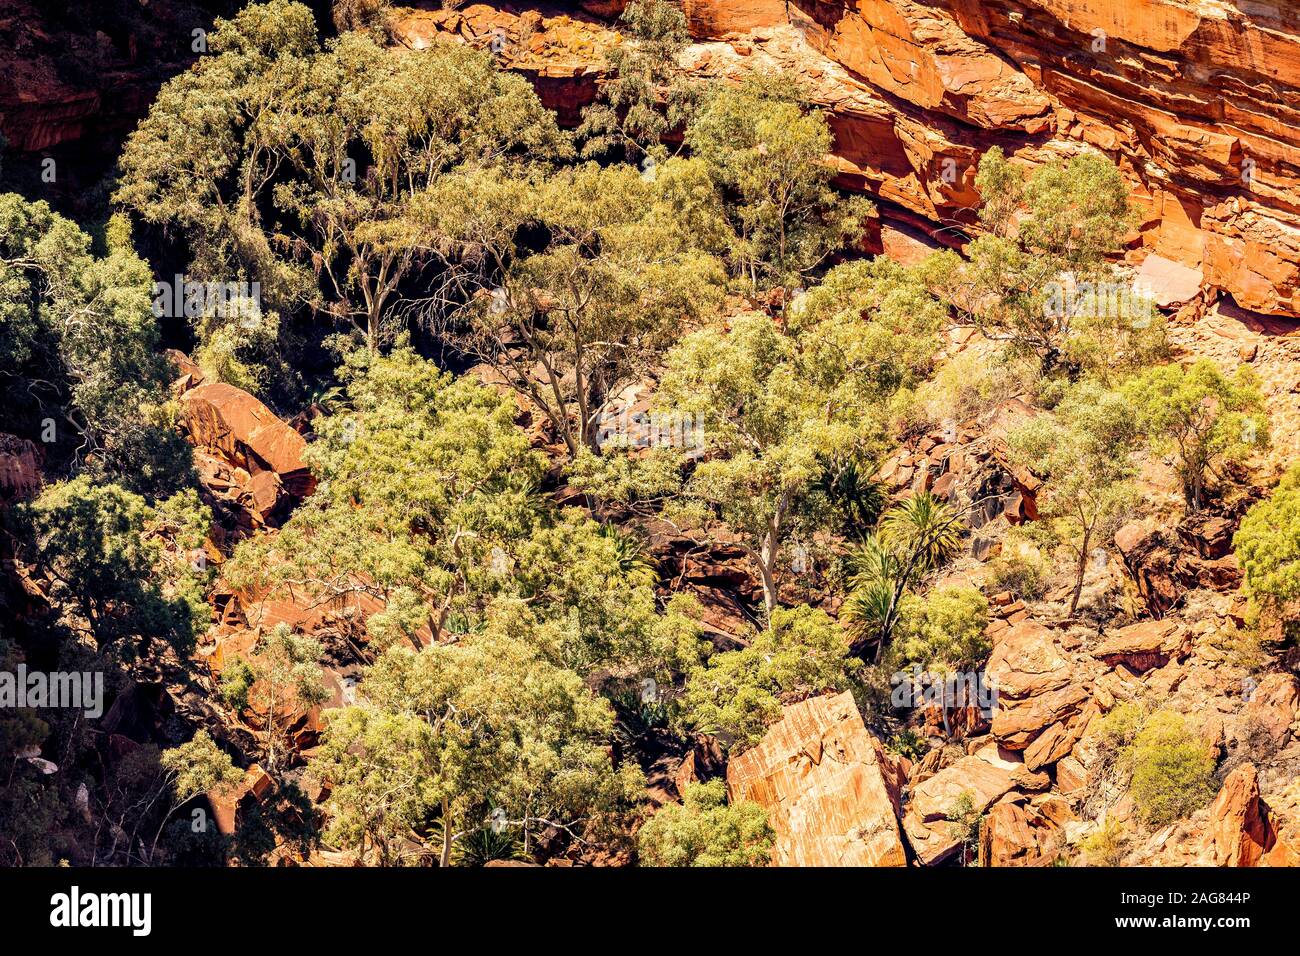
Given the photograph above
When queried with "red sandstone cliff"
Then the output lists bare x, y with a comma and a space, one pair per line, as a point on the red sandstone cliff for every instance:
1196, 99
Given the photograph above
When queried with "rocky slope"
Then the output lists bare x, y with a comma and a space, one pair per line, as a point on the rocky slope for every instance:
1196, 101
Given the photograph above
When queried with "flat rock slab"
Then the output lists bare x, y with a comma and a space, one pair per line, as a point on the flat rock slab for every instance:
829, 787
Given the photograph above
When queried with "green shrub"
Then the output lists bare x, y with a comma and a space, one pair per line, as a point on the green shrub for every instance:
1172, 769
1024, 575
704, 830
1268, 545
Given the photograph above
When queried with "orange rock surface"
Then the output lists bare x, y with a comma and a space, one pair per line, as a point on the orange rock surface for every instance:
830, 789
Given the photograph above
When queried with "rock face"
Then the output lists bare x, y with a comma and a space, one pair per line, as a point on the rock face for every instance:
830, 789
1196, 100
233, 425
1144, 645
20, 467
984, 777
1042, 704
75, 76
1165, 566
1239, 821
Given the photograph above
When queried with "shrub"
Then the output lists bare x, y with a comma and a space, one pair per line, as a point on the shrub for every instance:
1107, 845
704, 830
1172, 769
1268, 544
1024, 575
738, 693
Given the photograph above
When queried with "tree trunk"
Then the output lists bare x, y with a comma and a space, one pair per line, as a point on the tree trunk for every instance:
444, 858
1080, 571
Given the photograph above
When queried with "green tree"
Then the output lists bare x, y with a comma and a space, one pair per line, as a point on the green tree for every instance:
945, 634
736, 694
483, 732
299, 166
916, 536
418, 482
1037, 276
191, 770
1205, 418
706, 830
1173, 769
574, 593
779, 404
98, 543
1084, 450
647, 94
569, 326
1268, 545
769, 156
80, 361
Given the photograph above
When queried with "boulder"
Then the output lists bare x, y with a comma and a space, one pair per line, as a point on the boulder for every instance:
1167, 282
830, 788
1239, 825
1024, 831
1165, 567
232, 424
984, 776
1274, 705
1144, 645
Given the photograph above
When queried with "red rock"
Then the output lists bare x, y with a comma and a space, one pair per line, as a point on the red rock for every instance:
1274, 706
20, 467
1168, 283
234, 425
1239, 820
826, 784
1144, 645
1019, 831
984, 777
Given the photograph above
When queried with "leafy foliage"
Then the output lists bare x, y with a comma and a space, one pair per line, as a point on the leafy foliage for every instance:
779, 404
300, 166
1026, 278
1085, 451
79, 349
705, 830
768, 154
94, 542
1268, 544
1204, 417
459, 731
738, 693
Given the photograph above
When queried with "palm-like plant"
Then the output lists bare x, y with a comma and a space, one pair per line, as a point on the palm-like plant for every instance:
630, 556
923, 531
915, 536
867, 610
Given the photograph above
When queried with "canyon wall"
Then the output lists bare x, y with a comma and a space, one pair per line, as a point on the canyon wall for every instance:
1197, 100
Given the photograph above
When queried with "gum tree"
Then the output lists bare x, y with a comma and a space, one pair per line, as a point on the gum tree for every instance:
1042, 233
780, 403
296, 163
476, 734
769, 156
621, 270
1084, 450
1205, 418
